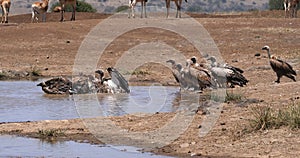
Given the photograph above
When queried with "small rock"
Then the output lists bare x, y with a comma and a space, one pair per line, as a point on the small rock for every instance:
235, 61
257, 54
68, 41
46, 69
196, 154
199, 126
223, 123
223, 129
184, 145
193, 143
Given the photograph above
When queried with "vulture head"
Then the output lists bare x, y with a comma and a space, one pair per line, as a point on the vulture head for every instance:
194, 59
212, 58
170, 61
42, 84
100, 72
109, 70
179, 67
266, 48
189, 62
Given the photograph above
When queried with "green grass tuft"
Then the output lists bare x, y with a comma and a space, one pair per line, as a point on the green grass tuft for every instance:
50, 133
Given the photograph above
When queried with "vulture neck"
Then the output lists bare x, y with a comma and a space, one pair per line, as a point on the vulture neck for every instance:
269, 54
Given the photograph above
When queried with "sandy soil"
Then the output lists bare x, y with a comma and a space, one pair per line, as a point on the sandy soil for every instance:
51, 48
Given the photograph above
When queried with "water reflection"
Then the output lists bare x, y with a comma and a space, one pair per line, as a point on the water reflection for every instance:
142, 99
12, 146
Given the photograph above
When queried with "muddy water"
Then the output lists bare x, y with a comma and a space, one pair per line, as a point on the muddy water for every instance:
24, 101
12, 146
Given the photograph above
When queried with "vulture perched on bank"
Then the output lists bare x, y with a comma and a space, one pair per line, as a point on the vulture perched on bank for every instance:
184, 77
281, 68
227, 74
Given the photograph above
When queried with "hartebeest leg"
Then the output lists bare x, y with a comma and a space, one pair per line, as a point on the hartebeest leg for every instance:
145, 8
168, 7
62, 12
73, 13
142, 11
4, 14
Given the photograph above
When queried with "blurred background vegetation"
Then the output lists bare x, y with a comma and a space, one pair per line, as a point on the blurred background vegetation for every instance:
81, 6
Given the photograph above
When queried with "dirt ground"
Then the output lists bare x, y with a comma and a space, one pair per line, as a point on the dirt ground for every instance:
51, 47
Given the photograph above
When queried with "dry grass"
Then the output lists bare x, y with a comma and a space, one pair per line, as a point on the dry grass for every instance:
265, 117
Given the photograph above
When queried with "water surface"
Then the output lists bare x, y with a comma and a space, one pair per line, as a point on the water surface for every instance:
24, 101
12, 146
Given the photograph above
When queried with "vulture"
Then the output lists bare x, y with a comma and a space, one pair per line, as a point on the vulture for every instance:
200, 74
281, 68
175, 71
57, 85
227, 74
192, 77
117, 83
189, 79
101, 84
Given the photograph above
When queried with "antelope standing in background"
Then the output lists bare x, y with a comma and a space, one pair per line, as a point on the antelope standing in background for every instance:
178, 5
63, 4
5, 5
39, 8
132, 4
291, 7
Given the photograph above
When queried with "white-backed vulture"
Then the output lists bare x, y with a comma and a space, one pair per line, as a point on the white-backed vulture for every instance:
119, 83
202, 76
281, 68
57, 85
227, 74
176, 72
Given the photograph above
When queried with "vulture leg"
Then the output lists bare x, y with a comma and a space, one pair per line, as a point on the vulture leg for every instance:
278, 78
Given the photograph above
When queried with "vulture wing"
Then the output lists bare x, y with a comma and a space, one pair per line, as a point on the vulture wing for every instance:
119, 80
234, 68
282, 67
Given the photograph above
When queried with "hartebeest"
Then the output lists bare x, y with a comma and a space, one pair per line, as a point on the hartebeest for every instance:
63, 4
178, 5
132, 4
5, 5
291, 7
39, 8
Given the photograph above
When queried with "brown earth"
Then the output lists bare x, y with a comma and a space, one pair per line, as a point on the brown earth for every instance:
51, 48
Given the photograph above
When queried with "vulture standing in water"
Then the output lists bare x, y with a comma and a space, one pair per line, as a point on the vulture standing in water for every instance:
280, 67
118, 82
57, 85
